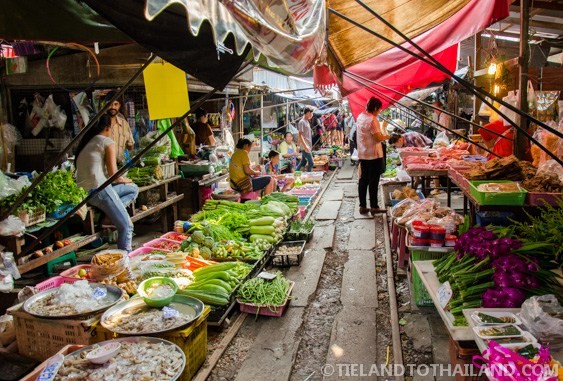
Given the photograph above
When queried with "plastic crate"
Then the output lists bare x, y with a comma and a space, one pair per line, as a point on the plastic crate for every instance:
282, 260
543, 198
70, 273
39, 339
155, 242
192, 340
168, 170
421, 295
67, 349
254, 309
300, 236
497, 198
50, 267
493, 218
33, 218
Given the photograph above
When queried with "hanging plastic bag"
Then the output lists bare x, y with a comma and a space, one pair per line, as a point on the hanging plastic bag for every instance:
12, 226
175, 149
441, 140
354, 156
547, 105
543, 316
512, 99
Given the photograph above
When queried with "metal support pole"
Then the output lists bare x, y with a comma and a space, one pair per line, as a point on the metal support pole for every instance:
476, 64
520, 138
261, 123
287, 117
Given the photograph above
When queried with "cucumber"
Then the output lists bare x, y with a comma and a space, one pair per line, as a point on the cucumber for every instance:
208, 297
262, 229
262, 221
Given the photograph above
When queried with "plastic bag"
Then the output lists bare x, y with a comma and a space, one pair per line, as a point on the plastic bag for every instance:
551, 167
543, 316
9, 263
402, 206
354, 156
12, 226
441, 140
549, 141
9, 186
175, 149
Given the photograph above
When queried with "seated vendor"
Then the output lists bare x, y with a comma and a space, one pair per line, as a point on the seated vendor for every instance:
273, 169
243, 178
501, 145
289, 151
409, 139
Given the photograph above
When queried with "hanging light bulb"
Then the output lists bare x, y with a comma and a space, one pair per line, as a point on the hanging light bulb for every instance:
492, 68
496, 89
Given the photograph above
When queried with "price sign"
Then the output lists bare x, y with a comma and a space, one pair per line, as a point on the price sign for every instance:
50, 371
99, 293
444, 294
170, 313
267, 275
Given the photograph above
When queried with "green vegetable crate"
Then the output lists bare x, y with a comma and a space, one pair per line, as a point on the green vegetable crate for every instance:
300, 236
497, 198
421, 295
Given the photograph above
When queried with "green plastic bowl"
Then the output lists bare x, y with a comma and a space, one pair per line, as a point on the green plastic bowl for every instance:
153, 302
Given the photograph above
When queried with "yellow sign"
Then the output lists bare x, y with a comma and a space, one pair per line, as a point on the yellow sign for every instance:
167, 91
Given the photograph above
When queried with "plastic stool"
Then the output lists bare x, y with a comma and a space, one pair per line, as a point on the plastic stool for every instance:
249, 196
402, 251
394, 235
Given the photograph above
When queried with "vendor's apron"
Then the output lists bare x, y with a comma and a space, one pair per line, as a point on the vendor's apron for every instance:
293, 158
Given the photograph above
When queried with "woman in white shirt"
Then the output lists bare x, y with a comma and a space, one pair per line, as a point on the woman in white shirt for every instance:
95, 163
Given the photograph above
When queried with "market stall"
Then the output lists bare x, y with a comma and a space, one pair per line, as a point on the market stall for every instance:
171, 288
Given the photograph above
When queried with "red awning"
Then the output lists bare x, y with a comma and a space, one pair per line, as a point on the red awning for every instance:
417, 75
404, 72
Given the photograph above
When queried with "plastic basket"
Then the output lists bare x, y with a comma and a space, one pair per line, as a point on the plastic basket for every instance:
283, 260
229, 196
168, 170
497, 198
61, 211
145, 250
192, 340
395, 202
174, 236
421, 295
389, 187
39, 339
71, 273
255, 309
33, 218
53, 282
155, 242
67, 349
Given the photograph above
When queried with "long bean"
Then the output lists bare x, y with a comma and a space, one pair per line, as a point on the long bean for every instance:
265, 293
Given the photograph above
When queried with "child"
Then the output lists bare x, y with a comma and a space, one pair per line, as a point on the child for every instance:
273, 169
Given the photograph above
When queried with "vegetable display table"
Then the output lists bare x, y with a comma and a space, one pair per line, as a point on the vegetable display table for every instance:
555, 351
428, 277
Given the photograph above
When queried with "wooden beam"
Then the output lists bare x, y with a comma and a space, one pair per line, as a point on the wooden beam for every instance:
550, 5
520, 139
537, 24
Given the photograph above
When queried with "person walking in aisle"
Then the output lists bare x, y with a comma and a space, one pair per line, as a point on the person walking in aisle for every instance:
370, 155
95, 163
305, 140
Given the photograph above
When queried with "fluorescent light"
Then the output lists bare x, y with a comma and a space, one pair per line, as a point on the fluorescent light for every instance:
505, 38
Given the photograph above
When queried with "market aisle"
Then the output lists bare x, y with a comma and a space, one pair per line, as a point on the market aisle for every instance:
332, 318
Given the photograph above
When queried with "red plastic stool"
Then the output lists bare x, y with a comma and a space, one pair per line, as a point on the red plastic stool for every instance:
249, 196
402, 252
394, 235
